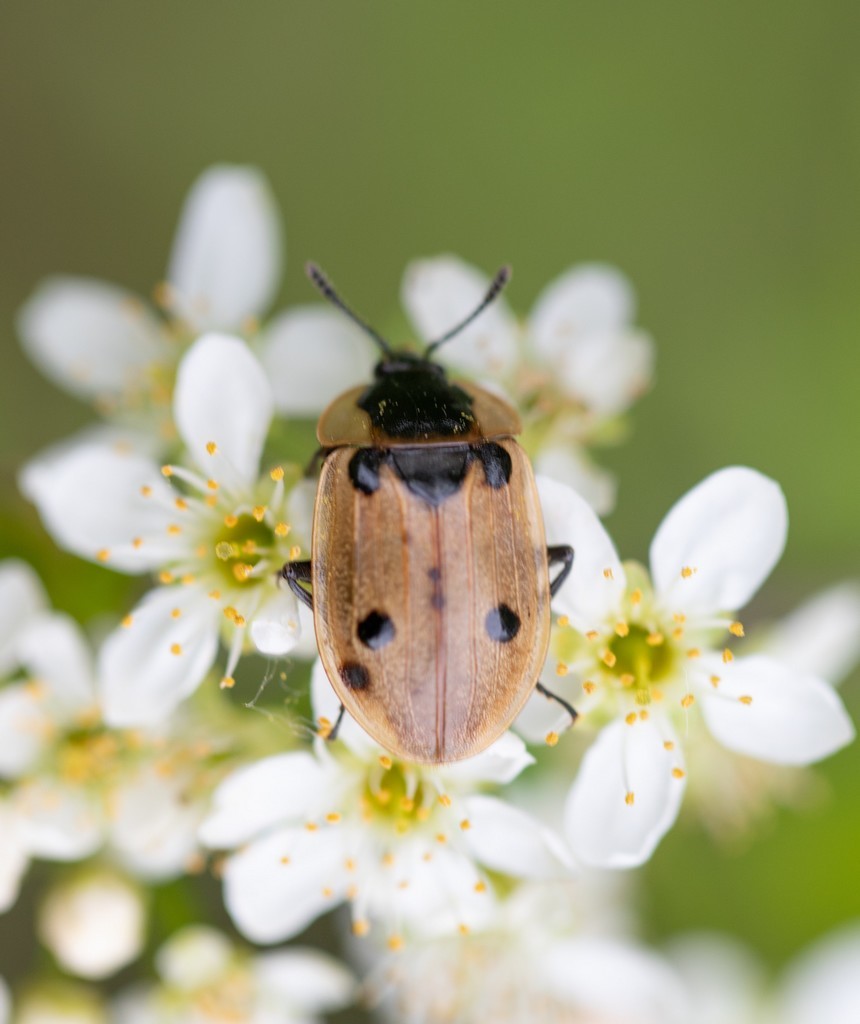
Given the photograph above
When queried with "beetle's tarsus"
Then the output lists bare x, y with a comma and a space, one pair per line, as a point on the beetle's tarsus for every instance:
559, 553
296, 573
331, 736
569, 708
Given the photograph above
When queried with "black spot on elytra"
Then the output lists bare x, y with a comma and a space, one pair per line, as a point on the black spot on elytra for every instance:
376, 630
355, 676
496, 462
364, 469
502, 624
437, 601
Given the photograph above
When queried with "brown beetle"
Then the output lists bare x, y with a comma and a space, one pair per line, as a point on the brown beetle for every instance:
430, 570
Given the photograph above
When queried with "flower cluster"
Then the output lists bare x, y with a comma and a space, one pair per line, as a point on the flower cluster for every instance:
470, 891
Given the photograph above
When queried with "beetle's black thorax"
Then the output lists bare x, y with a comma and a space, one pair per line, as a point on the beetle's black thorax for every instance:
431, 472
412, 398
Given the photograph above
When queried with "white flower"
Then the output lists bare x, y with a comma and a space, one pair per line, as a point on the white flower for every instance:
205, 979
403, 843
536, 960
93, 924
109, 346
217, 539
574, 367
646, 657
822, 985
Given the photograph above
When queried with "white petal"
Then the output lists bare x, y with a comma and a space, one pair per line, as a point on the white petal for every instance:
276, 790
14, 857
141, 679
586, 299
603, 829
822, 636
305, 980
306, 647
60, 822
506, 839
223, 398
92, 504
36, 475
615, 981
56, 654
792, 717
823, 985
726, 534
607, 372
724, 980
596, 584
153, 824
226, 260
500, 764
270, 898
89, 337
439, 293
93, 925
570, 464
195, 956
25, 729
275, 627
311, 355
21, 598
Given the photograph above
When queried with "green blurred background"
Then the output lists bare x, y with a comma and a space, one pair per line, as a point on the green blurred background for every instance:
710, 151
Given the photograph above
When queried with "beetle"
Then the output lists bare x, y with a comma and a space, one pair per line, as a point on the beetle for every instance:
430, 574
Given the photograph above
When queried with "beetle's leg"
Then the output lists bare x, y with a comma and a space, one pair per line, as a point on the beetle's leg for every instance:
569, 708
312, 469
331, 735
296, 573
559, 553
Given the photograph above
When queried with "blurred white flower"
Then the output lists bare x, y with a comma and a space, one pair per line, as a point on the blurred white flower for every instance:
573, 368
405, 844
93, 924
727, 984
59, 1003
536, 960
217, 540
71, 785
643, 656
5, 1002
205, 979
109, 346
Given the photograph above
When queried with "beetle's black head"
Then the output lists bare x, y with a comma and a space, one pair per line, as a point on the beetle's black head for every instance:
411, 396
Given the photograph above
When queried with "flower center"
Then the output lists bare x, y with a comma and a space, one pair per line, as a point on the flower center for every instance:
395, 799
641, 659
240, 545
88, 756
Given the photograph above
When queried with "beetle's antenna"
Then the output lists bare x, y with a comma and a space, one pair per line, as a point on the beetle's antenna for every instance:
326, 288
503, 275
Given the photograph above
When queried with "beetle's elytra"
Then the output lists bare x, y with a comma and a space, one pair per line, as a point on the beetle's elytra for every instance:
430, 574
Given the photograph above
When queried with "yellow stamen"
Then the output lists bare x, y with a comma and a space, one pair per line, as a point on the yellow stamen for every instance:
551, 739
608, 658
694, 652
277, 473
174, 529
103, 555
360, 928
127, 621
563, 621
630, 798
727, 656
631, 718
678, 773
259, 512
654, 639
622, 629
687, 572
588, 686
607, 574
636, 596
146, 491
175, 614
230, 521
282, 529
592, 635
165, 576
561, 669
176, 649
227, 683
668, 745
687, 700
211, 447
736, 629
167, 470
385, 761
745, 700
